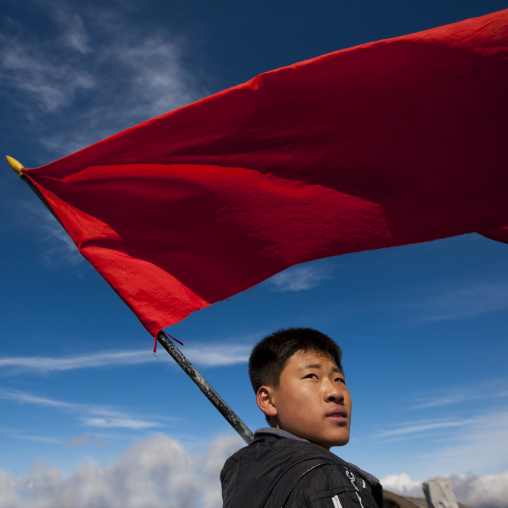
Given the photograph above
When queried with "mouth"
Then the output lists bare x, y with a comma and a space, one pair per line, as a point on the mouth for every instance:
338, 415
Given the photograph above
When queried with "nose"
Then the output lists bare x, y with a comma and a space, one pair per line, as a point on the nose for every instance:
332, 392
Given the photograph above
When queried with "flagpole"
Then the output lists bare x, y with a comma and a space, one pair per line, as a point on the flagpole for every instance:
175, 353
205, 387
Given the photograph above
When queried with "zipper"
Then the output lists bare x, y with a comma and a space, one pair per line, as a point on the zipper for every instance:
299, 478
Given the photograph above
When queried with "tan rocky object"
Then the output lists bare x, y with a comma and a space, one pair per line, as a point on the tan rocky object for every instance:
439, 493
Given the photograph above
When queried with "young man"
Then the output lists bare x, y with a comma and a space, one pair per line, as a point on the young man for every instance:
300, 387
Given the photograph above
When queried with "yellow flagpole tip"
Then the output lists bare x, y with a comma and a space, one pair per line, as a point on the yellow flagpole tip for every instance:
15, 165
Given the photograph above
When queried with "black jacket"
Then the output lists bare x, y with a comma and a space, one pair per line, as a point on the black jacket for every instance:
281, 470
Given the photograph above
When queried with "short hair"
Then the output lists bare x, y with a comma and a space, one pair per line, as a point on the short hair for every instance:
270, 355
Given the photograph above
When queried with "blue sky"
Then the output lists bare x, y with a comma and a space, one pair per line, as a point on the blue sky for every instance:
423, 327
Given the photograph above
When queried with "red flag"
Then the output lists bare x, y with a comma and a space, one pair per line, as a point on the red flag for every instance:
389, 143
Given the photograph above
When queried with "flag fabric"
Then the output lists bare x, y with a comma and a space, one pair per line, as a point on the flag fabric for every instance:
388, 143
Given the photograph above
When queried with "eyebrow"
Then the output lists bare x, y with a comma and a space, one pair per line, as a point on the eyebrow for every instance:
318, 366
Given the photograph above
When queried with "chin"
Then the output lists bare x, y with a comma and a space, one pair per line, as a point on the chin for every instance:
331, 444
339, 442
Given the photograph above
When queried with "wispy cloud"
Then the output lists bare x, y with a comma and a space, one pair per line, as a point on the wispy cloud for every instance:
73, 33
465, 301
96, 75
440, 302
493, 389
41, 364
483, 436
85, 440
205, 355
88, 414
56, 247
416, 429
459, 398
33, 72
476, 440
97, 58
218, 355
302, 277
119, 422
18, 433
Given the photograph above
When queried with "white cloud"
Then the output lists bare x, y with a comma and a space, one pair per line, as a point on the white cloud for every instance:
302, 277
88, 414
98, 73
27, 398
205, 355
85, 440
159, 472
56, 246
41, 364
493, 389
73, 33
31, 437
35, 73
403, 485
480, 445
469, 300
41, 68
419, 427
489, 491
474, 441
119, 423
154, 473
217, 355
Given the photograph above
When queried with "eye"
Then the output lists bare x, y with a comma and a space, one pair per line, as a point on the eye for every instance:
340, 380
311, 376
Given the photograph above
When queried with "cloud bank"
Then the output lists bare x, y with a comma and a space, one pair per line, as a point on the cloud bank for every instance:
159, 472
489, 491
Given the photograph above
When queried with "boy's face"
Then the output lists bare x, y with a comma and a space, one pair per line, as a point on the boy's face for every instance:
312, 400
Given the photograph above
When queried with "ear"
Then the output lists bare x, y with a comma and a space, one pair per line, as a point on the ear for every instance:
265, 400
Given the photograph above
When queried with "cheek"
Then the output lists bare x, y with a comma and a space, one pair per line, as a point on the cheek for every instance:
307, 401
296, 399
303, 391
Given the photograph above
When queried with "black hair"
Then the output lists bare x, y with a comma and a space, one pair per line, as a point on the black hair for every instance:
270, 355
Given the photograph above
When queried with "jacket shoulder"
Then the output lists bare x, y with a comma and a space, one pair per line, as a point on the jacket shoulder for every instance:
274, 471
331, 485
251, 474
